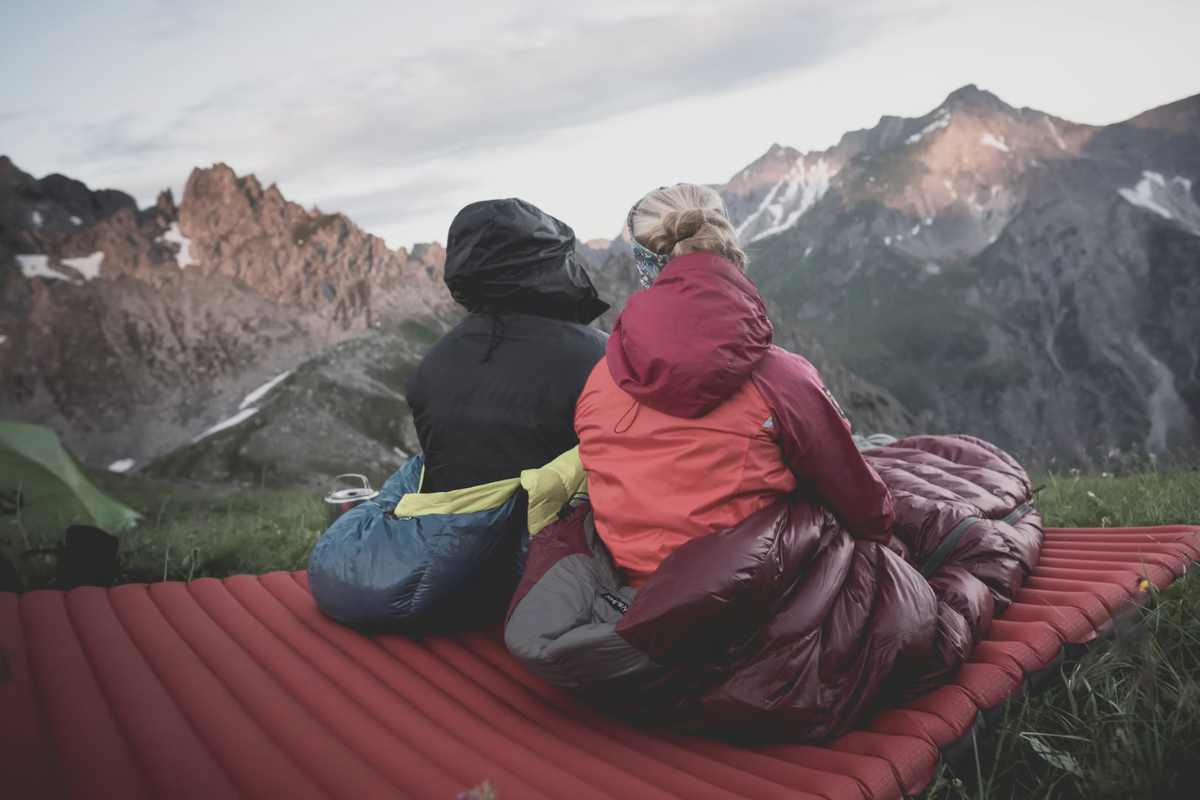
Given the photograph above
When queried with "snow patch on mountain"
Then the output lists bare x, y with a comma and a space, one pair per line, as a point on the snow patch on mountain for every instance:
262, 391
1058, 140
1165, 405
1170, 199
87, 266
247, 408
121, 465
35, 265
767, 206
175, 236
236, 419
1143, 195
798, 191
991, 141
941, 121
38, 266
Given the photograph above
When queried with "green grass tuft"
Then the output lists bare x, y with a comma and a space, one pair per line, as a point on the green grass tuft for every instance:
1124, 721
186, 531
1107, 501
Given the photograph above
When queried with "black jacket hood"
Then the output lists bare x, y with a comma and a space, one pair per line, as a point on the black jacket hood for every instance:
510, 257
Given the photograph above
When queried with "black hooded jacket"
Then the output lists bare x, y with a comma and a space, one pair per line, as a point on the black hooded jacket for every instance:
497, 393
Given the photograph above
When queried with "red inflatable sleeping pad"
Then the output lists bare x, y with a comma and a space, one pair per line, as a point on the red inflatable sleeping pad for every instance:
240, 687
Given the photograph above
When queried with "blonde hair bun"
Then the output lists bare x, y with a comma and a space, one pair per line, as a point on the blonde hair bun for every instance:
686, 218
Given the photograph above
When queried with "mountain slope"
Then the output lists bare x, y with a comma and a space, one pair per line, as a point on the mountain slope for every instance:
129, 331
1002, 271
341, 411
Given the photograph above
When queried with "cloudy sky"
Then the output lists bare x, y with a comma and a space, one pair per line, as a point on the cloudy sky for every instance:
399, 113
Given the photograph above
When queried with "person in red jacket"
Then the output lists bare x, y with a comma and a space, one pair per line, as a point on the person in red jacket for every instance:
694, 420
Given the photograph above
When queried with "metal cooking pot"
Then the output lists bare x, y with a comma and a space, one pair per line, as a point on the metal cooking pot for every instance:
348, 491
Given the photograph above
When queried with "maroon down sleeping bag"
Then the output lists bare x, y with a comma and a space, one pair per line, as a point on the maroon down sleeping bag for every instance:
785, 625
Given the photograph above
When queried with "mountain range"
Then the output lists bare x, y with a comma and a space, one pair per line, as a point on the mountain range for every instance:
981, 268
999, 270
138, 333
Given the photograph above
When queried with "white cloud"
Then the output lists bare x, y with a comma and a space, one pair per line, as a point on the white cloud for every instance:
399, 113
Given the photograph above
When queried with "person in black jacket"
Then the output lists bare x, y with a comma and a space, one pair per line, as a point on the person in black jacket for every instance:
497, 394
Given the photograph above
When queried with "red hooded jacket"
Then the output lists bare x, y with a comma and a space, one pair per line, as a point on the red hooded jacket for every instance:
694, 420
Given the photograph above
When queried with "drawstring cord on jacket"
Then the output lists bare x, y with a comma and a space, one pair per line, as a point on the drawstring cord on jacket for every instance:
635, 408
496, 338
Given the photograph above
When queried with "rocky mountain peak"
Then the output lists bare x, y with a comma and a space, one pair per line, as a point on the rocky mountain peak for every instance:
1015, 231
219, 185
972, 157
43, 221
770, 166
972, 98
165, 208
745, 192
429, 252
307, 259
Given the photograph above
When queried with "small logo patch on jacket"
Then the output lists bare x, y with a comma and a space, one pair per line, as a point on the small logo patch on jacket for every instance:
833, 400
616, 602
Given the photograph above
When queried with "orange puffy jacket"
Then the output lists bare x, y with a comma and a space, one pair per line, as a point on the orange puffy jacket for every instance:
694, 420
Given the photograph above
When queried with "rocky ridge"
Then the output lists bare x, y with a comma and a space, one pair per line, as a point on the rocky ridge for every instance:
1000, 270
131, 330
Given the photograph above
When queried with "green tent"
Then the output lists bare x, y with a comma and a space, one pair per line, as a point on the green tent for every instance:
54, 492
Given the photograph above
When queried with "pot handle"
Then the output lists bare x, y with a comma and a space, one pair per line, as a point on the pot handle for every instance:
362, 479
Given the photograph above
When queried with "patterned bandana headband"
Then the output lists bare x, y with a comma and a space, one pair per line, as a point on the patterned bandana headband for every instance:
648, 262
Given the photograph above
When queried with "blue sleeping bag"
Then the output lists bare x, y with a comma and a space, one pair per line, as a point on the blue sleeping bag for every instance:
431, 572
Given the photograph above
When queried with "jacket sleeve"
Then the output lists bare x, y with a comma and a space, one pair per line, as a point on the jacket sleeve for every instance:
817, 446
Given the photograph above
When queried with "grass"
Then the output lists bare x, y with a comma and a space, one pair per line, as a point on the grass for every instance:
1108, 501
187, 535
1123, 722
186, 531
194, 531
